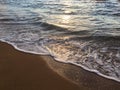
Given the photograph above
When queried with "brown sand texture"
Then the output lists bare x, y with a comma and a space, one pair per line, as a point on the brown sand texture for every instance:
23, 71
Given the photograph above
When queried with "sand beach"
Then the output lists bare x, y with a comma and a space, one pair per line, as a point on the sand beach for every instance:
24, 71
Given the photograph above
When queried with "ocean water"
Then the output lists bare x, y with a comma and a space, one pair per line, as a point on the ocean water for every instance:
85, 33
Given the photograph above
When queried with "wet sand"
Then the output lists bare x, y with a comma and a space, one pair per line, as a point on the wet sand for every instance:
23, 71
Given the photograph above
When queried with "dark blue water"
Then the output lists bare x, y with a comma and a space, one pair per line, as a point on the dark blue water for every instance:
85, 33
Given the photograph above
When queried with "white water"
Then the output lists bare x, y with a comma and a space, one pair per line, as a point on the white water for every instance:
81, 32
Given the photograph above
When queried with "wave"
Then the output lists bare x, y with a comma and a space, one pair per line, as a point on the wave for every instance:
88, 36
99, 54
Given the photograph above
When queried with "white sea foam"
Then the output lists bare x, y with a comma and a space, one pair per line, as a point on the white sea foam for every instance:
88, 36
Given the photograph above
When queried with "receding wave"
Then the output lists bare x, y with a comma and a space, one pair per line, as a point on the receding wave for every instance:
100, 54
86, 33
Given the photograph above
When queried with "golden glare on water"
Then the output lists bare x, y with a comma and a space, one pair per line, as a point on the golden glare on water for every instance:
65, 19
67, 11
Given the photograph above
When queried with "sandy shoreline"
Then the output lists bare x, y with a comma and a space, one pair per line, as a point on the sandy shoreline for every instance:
23, 71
